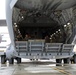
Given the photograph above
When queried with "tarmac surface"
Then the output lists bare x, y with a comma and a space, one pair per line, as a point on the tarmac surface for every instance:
37, 68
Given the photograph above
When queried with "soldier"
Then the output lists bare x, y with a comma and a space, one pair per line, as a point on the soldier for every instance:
47, 39
26, 37
19, 37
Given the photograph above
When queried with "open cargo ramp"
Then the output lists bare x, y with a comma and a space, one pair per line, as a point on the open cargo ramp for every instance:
39, 49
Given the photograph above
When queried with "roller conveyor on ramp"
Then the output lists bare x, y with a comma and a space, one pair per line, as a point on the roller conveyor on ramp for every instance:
39, 49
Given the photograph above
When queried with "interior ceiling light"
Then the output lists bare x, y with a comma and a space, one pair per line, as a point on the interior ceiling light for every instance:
22, 17
59, 30
50, 38
51, 35
14, 23
56, 31
65, 25
68, 23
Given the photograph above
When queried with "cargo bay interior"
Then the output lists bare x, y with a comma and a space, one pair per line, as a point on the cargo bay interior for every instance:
39, 24
38, 30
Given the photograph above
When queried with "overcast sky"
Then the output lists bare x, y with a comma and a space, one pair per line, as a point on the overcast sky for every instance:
2, 9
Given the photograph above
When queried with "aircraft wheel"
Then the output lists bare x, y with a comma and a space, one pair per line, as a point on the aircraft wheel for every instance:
18, 60
74, 57
31, 59
58, 62
3, 59
36, 59
66, 61
11, 61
